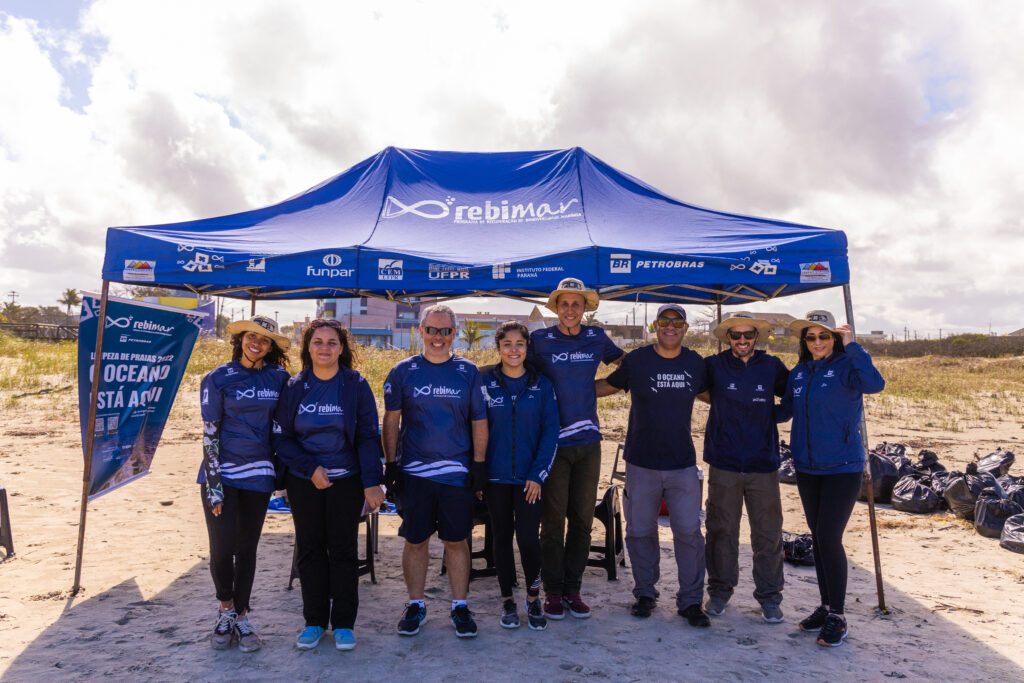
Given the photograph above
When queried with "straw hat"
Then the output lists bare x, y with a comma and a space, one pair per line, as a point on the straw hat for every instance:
260, 324
819, 318
744, 319
573, 286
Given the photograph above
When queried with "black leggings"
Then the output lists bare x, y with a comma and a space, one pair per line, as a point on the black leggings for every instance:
828, 501
234, 536
510, 512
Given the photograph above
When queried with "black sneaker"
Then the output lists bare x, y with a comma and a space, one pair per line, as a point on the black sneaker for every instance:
509, 615
813, 623
642, 607
462, 620
409, 624
833, 633
535, 615
695, 616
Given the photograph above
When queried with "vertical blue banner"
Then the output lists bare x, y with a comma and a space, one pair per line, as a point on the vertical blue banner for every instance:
145, 350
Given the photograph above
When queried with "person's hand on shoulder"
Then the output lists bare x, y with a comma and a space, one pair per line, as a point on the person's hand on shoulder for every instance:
846, 332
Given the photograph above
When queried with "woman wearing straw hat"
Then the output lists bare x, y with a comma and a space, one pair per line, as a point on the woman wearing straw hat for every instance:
825, 397
238, 400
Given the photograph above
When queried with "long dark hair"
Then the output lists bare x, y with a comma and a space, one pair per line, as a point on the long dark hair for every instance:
805, 353
511, 326
275, 356
348, 357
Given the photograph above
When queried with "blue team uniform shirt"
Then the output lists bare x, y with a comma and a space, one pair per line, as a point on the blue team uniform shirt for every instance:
663, 390
571, 362
438, 402
522, 419
243, 401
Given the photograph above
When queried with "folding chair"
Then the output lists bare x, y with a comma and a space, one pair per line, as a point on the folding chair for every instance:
6, 537
611, 554
366, 566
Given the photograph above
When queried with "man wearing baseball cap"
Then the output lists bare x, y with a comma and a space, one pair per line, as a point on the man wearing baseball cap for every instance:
569, 354
741, 446
663, 379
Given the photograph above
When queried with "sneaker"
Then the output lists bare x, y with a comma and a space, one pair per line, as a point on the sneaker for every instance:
409, 625
813, 623
553, 606
771, 613
642, 607
509, 615
224, 631
576, 606
248, 639
535, 615
309, 638
695, 616
833, 633
715, 605
344, 639
462, 620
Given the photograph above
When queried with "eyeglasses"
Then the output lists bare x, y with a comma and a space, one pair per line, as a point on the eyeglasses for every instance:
748, 334
824, 336
443, 331
677, 323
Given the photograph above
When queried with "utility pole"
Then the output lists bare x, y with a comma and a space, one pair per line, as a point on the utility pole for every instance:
14, 295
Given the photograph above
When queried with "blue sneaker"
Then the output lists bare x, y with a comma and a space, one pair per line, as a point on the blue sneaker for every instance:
309, 638
344, 639
409, 624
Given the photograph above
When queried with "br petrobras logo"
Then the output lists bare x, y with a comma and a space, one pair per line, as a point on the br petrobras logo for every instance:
621, 263
668, 264
500, 270
390, 269
490, 211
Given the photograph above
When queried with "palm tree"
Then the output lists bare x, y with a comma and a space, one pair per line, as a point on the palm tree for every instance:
70, 298
471, 333
591, 319
11, 311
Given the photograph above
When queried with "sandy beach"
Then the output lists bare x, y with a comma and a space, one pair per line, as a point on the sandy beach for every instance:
955, 599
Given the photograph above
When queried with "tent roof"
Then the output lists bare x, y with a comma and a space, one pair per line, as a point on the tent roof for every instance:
407, 223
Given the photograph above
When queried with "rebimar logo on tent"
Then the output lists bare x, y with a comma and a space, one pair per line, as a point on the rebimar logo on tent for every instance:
818, 271
496, 211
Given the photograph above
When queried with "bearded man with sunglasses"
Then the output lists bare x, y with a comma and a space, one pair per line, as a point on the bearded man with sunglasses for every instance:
741, 446
663, 379
435, 444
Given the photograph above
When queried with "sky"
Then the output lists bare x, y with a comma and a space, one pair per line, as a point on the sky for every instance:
897, 122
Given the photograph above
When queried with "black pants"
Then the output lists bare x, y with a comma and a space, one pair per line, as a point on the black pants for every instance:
510, 512
327, 535
828, 501
234, 537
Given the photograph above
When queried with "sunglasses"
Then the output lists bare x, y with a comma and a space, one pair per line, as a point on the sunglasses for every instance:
443, 331
824, 336
736, 336
677, 323
322, 322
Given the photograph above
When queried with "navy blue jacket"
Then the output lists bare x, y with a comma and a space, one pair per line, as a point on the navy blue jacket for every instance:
523, 428
825, 399
742, 434
345, 445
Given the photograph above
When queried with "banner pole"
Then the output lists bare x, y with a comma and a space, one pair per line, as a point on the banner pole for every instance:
90, 431
252, 307
867, 472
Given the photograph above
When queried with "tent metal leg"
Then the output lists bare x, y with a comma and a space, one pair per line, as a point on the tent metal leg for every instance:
252, 306
90, 431
867, 475
718, 308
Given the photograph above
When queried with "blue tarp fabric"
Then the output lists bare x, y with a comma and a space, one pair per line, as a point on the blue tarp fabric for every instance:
407, 223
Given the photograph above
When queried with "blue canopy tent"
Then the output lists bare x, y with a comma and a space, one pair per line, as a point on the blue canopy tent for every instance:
412, 223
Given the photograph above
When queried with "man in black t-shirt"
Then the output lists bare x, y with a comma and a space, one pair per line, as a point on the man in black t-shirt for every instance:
663, 379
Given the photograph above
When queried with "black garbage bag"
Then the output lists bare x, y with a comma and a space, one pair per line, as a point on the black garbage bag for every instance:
896, 449
798, 549
963, 490
991, 513
928, 462
785, 451
996, 463
787, 471
912, 493
939, 481
886, 470
1012, 537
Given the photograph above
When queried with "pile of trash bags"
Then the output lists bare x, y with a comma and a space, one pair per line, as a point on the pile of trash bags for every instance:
984, 493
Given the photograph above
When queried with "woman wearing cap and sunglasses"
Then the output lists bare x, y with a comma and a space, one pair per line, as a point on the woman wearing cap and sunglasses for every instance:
825, 398
327, 437
238, 400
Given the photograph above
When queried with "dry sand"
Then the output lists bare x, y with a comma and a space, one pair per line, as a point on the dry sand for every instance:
956, 599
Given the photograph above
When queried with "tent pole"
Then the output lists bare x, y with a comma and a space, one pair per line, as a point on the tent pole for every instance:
867, 473
252, 307
90, 432
718, 307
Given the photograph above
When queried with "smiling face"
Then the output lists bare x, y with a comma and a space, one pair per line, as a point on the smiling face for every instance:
819, 341
436, 345
669, 336
512, 349
742, 348
325, 348
255, 346
570, 308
